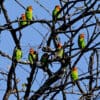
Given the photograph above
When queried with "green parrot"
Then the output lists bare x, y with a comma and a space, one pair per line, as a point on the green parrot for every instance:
59, 51
74, 74
29, 13
33, 56
18, 54
23, 20
81, 41
44, 62
55, 11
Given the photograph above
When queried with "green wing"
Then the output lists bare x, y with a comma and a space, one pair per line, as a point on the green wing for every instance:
29, 15
18, 54
74, 75
60, 53
23, 23
30, 58
54, 13
81, 43
43, 59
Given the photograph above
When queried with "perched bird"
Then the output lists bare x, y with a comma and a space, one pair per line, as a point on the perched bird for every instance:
60, 51
81, 41
74, 74
33, 56
55, 11
29, 13
17, 54
44, 63
23, 20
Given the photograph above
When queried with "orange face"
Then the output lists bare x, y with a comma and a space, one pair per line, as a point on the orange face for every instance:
82, 35
23, 16
75, 69
31, 51
57, 7
30, 8
59, 45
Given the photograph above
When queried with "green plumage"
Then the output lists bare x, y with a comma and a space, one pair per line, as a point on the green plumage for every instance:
60, 52
23, 22
74, 75
81, 43
44, 58
18, 54
32, 58
54, 14
29, 15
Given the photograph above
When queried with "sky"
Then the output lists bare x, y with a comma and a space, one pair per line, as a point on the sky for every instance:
30, 38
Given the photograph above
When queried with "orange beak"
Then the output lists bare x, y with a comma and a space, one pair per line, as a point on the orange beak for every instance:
82, 36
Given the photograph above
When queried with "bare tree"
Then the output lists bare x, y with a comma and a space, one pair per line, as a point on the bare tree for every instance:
54, 77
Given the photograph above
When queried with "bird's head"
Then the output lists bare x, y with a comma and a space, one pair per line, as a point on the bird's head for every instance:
57, 7
82, 36
31, 51
59, 45
23, 16
30, 8
74, 69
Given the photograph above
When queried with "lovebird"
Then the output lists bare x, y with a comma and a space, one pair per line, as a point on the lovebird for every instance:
74, 74
44, 62
29, 13
18, 54
81, 41
55, 11
59, 51
32, 56
23, 20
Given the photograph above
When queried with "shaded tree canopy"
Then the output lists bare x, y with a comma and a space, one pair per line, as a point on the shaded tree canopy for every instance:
50, 50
